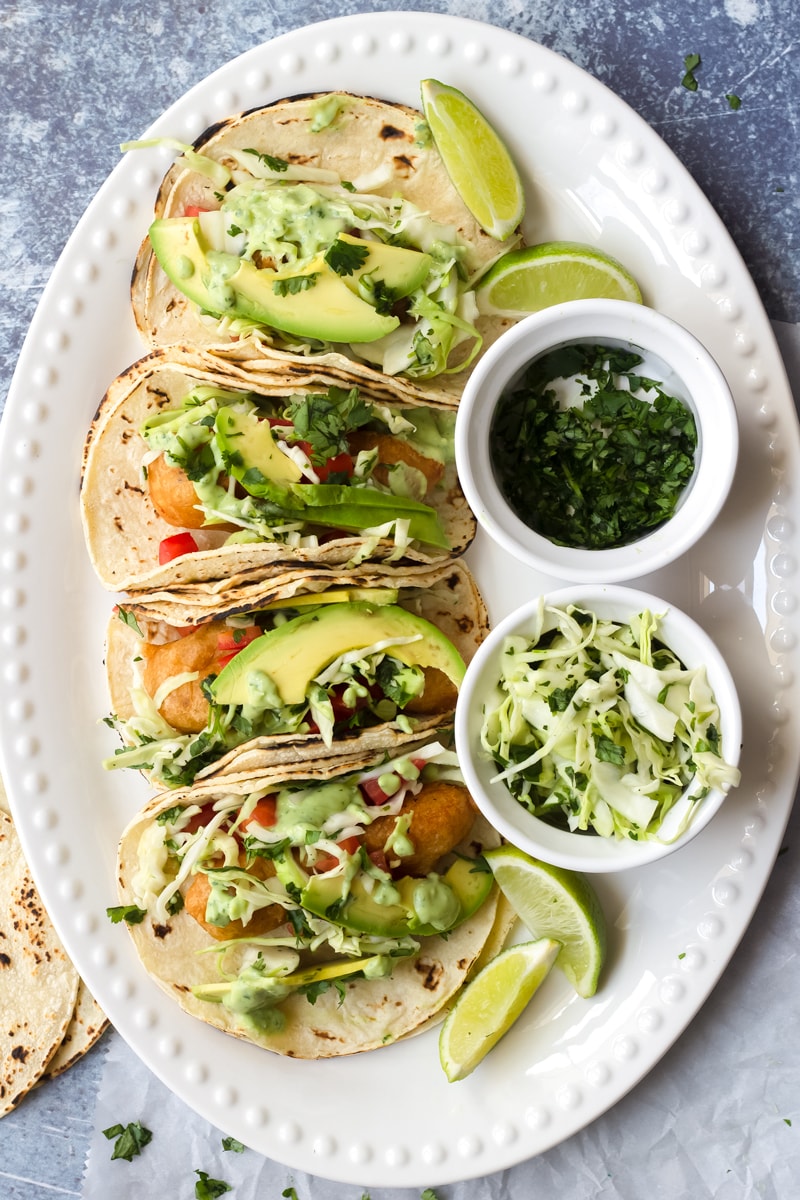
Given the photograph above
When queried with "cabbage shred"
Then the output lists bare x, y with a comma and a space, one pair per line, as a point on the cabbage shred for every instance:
599, 727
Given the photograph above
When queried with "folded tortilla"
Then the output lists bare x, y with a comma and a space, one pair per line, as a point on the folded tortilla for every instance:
369, 139
447, 597
357, 1014
123, 531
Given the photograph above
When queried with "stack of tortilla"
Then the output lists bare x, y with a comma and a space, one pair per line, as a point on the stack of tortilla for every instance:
48, 1017
222, 579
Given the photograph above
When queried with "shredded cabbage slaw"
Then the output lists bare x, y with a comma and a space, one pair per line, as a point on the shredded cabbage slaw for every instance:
598, 727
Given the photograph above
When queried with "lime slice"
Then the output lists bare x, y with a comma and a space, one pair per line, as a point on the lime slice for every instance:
535, 277
491, 1003
554, 903
477, 161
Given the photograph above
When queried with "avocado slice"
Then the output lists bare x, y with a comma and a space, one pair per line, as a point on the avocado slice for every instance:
249, 446
402, 270
294, 653
361, 914
225, 285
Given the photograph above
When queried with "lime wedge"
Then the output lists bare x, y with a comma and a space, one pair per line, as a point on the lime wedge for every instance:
535, 277
477, 161
491, 1003
554, 903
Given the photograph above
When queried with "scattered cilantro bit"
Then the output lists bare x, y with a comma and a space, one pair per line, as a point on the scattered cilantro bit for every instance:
130, 913
682, 954
787, 1121
208, 1189
323, 419
131, 1139
608, 469
230, 1143
690, 64
127, 618
170, 815
428, 1194
734, 101
344, 257
289, 1193
269, 160
293, 284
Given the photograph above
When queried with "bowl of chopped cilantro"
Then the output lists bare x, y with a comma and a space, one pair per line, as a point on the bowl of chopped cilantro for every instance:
598, 727
597, 440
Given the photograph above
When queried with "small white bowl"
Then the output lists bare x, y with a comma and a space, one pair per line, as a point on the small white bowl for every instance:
581, 851
672, 356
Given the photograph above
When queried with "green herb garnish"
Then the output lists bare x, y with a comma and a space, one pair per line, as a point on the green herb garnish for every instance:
131, 1139
293, 284
345, 257
130, 913
734, 101
230, 1143
690, 64
601, 472
208, 1189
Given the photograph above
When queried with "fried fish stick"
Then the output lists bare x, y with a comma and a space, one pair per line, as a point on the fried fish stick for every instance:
441, 816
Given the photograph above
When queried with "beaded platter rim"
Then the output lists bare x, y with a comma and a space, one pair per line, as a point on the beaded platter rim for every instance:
567, 1061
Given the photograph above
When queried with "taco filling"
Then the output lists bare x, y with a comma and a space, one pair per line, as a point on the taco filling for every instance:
322, 672
296, 469
305, 887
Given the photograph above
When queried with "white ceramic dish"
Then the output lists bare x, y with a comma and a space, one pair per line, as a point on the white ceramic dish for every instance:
670, 354
595, 173
581, 851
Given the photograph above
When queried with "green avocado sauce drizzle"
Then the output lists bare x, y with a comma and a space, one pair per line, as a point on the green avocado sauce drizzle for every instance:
599, 473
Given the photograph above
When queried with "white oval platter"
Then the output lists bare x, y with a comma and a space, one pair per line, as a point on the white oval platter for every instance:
595, 172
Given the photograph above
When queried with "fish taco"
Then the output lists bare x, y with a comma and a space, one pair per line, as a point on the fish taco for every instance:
192, 474
313, 912
319, 226
320, 675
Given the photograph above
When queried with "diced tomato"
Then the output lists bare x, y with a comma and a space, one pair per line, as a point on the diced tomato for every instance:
264, 814
379, 860
339, 464
231, 641
342, 711
326, 862
199, 819
372, 791
283, 422
194, 210
176, 546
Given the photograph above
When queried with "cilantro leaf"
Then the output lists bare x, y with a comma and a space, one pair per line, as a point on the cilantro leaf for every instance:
734, 101
292, 284
130, 913
344, 257
130, 1139
269, 160
690, 64
127, 618
207, 1188
230, 1143
323, 419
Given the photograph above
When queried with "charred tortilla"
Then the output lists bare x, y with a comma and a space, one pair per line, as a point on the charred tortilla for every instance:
381, 146
124, 530
180, 739
189, 953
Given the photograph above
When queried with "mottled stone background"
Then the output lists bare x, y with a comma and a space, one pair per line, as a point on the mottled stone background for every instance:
79, 76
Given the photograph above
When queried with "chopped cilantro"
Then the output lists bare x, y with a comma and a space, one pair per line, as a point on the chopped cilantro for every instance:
608, 469
130, 913
170, 815
230, 1143
344, 257
734, 101
269, 160
130, 1139
289, 1193
292, 284
690, 64
208, 1189
428, 1194
787, 1121
127, 618
324, 419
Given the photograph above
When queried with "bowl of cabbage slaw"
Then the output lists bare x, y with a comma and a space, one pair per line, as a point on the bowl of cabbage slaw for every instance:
598, 728
596, 440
